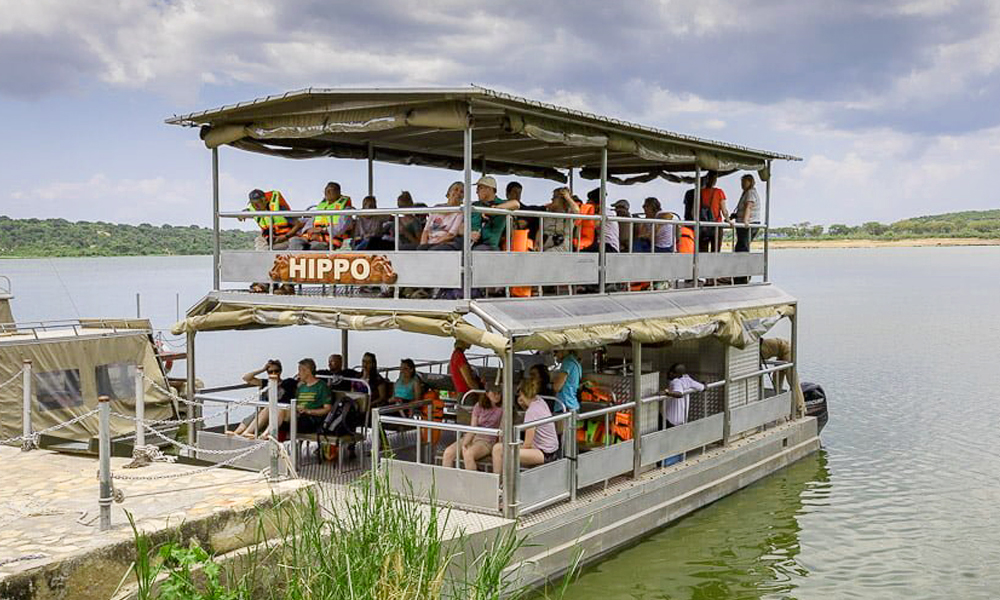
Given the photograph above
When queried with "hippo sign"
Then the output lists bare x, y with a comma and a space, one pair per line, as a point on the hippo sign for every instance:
342, 268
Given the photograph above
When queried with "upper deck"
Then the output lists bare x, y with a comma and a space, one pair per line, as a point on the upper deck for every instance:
498, 134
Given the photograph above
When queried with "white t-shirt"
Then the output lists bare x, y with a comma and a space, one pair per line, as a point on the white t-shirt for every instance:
664, 233
611, 236
677, 408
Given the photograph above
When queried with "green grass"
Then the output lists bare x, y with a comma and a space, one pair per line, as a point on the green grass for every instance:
378, 546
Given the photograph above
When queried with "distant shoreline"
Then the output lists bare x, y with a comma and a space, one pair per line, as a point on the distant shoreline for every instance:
869, 243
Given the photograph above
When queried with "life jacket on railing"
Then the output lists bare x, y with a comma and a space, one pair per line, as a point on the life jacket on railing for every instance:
323, 223
623, 425
432, 412
686, 242
521, 242
591, 392
274, 225
587, 228
591, 433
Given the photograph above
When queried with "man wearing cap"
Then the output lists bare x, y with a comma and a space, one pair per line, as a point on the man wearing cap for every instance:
276, 229
488, 230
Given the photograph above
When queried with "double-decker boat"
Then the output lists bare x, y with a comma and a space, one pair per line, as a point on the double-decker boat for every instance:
629, 315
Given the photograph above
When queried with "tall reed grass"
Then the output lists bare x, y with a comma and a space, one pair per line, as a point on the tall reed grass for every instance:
376, 545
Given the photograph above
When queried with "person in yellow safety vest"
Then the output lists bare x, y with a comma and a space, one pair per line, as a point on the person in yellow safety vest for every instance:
327, 231
279, 230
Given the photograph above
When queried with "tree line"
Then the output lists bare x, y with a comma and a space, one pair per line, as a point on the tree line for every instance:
59, 237
966, 224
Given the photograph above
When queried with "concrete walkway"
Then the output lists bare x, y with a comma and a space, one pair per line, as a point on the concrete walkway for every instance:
49, 517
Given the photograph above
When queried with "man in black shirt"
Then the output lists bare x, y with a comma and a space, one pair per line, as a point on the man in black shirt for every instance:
335, 372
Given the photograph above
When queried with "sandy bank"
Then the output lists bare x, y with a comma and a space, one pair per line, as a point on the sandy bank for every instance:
915, 242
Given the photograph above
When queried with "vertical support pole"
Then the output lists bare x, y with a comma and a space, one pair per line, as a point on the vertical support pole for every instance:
216, 243
792, 377
190, 392
104, 458
26, 405
767, 218
510, 468
482, 165
467, 216
293, 433
602, 275
637, 412
140, 406
177, 305
138, 307
696, 213
272, 422
371, 169
572, 453
727, 413
344, 347
570, 179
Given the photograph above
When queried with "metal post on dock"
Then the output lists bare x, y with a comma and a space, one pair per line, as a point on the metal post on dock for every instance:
726, 409
138, 307
638, 409
140, 406
272, 422
26, 405
190, 392
104, 457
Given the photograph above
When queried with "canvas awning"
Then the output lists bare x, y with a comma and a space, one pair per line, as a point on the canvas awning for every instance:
737, 316
513, 135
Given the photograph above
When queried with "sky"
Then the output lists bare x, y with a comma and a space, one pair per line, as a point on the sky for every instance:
894, 105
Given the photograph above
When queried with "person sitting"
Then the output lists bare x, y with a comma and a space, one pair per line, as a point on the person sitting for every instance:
463, 378
654, 236
622, 208
313, 402
327, 232
443, 231
541, 376
566, 382
378, 386
335, 374
541, 443
556, 235
487, 413
408, 388
370, 231
489, 229
679, 390
410, 225
286, 391
276, 231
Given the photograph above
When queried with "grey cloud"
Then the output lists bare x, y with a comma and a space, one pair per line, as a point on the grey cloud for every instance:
34, 65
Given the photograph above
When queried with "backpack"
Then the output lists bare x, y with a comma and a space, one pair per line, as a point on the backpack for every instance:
343, 418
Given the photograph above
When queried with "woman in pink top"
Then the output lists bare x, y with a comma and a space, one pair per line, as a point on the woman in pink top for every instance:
540, 443
486, 413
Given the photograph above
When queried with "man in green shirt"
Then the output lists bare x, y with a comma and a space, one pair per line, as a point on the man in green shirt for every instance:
313, 398
488, 230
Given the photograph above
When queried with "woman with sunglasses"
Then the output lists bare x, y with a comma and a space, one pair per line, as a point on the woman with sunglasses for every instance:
286, 391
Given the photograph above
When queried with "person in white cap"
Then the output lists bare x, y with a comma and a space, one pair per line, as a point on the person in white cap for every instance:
488, 230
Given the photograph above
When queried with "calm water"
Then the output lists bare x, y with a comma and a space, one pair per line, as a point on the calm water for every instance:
903, 502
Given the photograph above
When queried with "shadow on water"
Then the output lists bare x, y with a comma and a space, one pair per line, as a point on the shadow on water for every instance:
743, 546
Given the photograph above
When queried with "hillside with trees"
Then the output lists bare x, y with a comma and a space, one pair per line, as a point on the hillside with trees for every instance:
59, 237
984, 224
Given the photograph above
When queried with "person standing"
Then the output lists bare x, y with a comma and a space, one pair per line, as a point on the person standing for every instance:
747, 213
463, 378
566, 382
712, 208
679, 390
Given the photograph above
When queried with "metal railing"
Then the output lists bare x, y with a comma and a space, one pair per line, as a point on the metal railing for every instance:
739, 273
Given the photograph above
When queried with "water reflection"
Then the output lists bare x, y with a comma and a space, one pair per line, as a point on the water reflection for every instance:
743, 546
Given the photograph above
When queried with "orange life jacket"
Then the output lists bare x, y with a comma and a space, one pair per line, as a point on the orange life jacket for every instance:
275, 225
521, 242
686, 242
623, 425
433, 412
588, 228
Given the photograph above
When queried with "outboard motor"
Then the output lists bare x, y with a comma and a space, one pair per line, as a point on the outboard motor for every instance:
815, 399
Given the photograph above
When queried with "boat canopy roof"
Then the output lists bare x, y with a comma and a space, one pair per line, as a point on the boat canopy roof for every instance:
425, 126
735, 315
